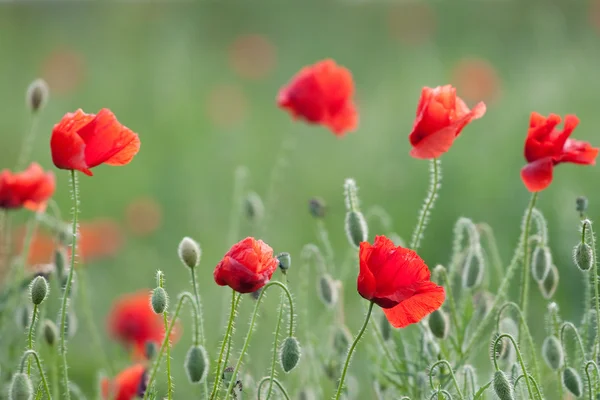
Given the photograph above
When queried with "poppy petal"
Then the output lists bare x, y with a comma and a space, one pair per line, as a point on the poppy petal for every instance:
537, 175
429, 298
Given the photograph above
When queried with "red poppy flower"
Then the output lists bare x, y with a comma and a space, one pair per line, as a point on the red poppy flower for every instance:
441, 116
546, 147
82, 141
397, 280
133, 322
128, 385
31, 188
322, 94
247, 266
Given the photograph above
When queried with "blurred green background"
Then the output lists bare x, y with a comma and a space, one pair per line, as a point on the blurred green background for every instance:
198, 83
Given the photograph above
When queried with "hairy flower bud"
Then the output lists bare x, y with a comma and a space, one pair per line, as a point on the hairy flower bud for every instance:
502, 386
541, 263
59, 260
581, 204
356, 228
473, 270
196, 364
285, 261
572, 381
439, 324
50, 332
38, 290
341, 340
317, 207
583, 256
189, 252
327, 290
550, 283
385, 327
552, 352
289, 354
159, 300
20, 387
254, 207
37, 95
23, 315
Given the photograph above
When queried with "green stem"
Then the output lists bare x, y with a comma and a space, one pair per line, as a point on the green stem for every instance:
351, 350
27, 145
251, 329
569, 325
535, 385
199, 337
398, 365
596, 290
487, 231
229, 342
587, 373
324, 237
224, 344
40, 369
453, 310
275, 343
434, 186
169, 377
519, 357
279, 385
452, 376
30, 337
54, 372
524, 297
64, 309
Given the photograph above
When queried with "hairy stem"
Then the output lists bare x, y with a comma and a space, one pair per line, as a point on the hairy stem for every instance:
30, 336
40, 369
224, 344
284, 393
524, 297
432, 195
519, 357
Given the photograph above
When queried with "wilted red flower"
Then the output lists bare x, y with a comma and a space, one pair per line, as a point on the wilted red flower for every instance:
322, 94
247, 266
128, 385
31, 188
397, 280
546, 147
133, 322
82, 141
441, 116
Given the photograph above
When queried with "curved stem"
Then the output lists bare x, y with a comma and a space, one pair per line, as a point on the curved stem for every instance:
487, 231
524, 297
577, 336
30, 336
453, 310
67, 290
279, 385
351, 350
224, 344
596, 289
519, 357
555, 325
275, 342
446, 394
587, 373
535, 385
452, 376
251, 329
40, 369
428, 205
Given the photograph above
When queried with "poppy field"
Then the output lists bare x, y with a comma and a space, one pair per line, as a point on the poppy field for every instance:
207, 202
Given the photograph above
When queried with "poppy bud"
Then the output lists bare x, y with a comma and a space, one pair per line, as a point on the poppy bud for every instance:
59, 262
581, 204
356, 228
285, 261
317, 207
327, 290
20, 387
550, 283
196, 364
37, 95
38, 290
254, 207
341, 340
289, 354
150, 349
73, 288
385, 327
502, 386
438, 324
189, 252
572, 381
23, 315
552, 352
541, 263
159, 300
473, 269
590, 320
583, 256
50, 332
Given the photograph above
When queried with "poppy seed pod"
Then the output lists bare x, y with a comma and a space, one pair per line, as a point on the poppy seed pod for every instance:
50, 332
439, 324
37, 95
548, 286
285, 261
159, 300
196, 364
20, 387
189, 252
572, 381
552, 352
317, 207
583, 256
38, 290
290, 354
254, 207
502, 386
356, 228
541, 263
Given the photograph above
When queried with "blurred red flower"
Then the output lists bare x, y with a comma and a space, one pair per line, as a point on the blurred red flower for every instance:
227, 105
129, 384
247, 266
82, 141
252, 56
133, 322
63, 69
322, 94
546, 147
31, 188
143, 216
441, 116
412, 23
476, 79
397, 280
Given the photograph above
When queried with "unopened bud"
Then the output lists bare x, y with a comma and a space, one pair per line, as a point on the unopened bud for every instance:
196, 364
548, 286
20, 387
50, 332
581, 204
289, 354
59, 260
356, 228
472, 274
37, 95
285, 261
159, 300
254, 207
38, 290
327, 290
572, 381
583, 256
150, 350
23, 315
341, 340
317, 207
385, 327
541, 263
502, 386
439, 324
552, 352
189, 252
